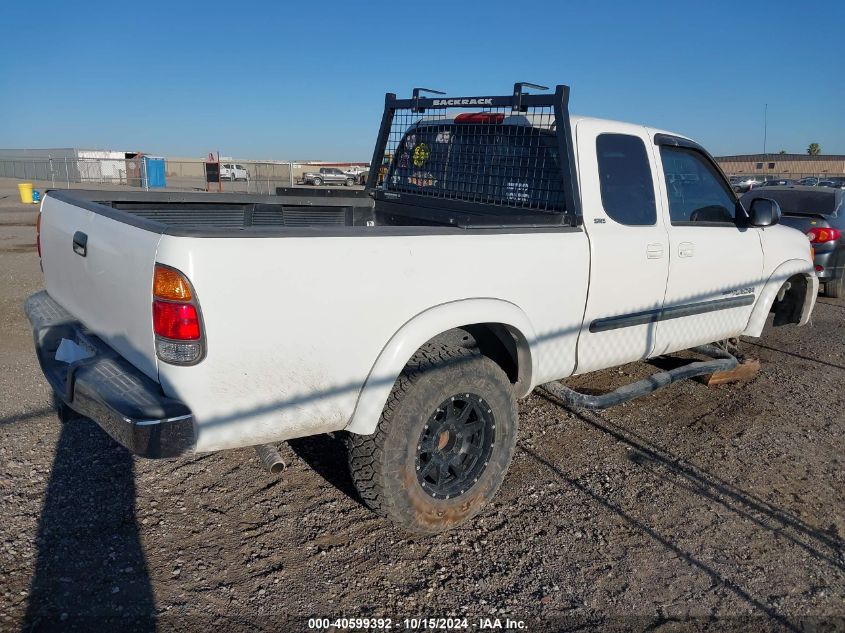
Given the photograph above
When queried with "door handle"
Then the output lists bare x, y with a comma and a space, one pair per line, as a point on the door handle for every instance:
80, 243
686, 249
654, 251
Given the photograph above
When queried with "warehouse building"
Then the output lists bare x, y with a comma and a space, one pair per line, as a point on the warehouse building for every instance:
783, 165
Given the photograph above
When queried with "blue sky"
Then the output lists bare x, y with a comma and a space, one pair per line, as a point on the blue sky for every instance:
301, 80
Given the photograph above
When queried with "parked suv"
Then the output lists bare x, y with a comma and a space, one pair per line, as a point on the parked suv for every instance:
329, 176
233, 172
819, 212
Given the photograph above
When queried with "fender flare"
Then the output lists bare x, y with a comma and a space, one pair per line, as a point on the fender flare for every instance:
783, 272
422, 328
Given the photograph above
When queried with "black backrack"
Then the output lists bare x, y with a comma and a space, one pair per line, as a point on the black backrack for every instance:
478, 161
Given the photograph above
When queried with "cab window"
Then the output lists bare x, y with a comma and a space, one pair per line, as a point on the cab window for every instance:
627, 188
506, 165
697, 192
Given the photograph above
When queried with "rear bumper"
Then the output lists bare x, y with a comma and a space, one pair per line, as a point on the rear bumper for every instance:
105, 387
833, 264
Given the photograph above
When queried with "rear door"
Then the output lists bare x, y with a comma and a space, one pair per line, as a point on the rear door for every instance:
715, 262
629, 246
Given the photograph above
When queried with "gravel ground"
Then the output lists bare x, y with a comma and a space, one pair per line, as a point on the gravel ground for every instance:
693, 509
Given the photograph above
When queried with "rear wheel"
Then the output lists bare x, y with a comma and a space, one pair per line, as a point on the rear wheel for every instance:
835, 289
443, 444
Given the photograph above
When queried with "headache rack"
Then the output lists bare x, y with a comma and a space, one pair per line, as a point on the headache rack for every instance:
485, 161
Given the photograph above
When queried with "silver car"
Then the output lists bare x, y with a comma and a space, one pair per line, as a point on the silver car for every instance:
328, 176
741, 184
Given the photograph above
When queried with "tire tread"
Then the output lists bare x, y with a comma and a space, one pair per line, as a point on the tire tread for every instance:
366, 465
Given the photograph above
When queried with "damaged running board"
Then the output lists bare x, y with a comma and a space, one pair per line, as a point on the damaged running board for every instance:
722, 361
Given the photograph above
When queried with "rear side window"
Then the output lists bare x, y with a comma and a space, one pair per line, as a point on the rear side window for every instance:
697, 192
627, 189
499, 164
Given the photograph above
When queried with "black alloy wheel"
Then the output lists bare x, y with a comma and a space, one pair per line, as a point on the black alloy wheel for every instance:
455, 446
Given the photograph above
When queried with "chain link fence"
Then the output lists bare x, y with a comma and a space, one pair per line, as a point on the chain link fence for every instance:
253, 177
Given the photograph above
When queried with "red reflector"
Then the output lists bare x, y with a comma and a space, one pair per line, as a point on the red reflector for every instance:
820, 235
819, 268
176, 320
480, 117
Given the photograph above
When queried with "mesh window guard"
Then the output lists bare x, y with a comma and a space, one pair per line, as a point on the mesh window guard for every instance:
482, 155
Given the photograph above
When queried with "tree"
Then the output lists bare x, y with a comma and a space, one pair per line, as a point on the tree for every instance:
814, 150
782, 152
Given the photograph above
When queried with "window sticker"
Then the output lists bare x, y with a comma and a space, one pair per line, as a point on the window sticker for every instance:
516, 191
404, 161
422, 179
410, 142
422, 153
443, 136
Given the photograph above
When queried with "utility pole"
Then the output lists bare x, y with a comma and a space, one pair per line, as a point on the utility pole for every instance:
765, 125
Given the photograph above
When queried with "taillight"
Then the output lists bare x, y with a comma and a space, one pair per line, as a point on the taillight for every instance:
480, 117
820, 235
38, 234
176, 321
176, 318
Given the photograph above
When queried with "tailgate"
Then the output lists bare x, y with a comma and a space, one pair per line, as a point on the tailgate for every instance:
108, 284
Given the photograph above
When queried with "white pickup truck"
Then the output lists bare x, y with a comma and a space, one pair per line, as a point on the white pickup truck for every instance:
508, 245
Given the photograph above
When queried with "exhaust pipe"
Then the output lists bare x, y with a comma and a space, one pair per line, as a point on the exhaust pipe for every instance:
271, 459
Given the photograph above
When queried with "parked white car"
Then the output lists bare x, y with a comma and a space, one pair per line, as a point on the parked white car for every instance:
504, 251
233, 172
355, 172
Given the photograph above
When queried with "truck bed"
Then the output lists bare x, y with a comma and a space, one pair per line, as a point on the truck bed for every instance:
292, 211
295, 324
213, 214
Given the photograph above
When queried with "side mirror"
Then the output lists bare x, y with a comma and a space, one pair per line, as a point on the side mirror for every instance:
764, 212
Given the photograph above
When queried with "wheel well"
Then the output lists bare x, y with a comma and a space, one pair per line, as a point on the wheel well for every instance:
503, 344
789, 302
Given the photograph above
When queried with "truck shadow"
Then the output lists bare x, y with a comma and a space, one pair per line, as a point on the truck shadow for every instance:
326, 455
90, 571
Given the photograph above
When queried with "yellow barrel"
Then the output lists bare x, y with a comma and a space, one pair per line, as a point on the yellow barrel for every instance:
25, 189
